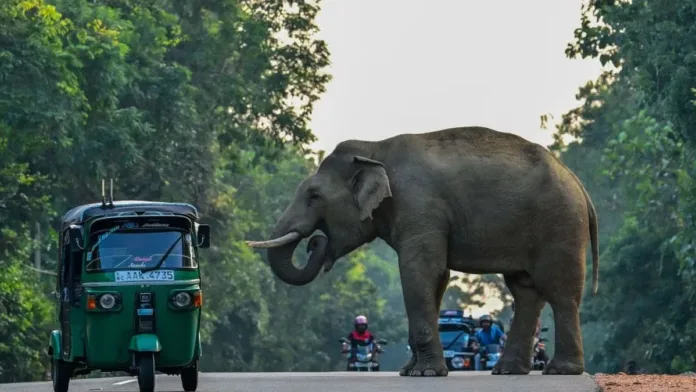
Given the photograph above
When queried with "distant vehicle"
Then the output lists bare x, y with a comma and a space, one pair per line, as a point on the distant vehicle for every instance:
455, 335
456, 332
365, 359
490, 356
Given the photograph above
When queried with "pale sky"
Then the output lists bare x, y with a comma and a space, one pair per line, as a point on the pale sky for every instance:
408, 66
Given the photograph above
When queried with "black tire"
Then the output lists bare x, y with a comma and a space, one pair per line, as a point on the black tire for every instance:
146, 373
189, 377
60, 375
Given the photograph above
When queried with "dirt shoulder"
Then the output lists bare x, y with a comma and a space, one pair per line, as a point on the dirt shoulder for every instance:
645, 383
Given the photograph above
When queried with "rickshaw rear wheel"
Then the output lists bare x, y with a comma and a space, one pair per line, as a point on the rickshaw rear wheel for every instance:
60, 375
189, 377
146, 372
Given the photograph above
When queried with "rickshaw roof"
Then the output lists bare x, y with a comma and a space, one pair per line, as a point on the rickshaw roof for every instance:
83, 213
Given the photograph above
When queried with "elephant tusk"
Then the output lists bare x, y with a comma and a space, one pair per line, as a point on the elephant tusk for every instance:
276, 242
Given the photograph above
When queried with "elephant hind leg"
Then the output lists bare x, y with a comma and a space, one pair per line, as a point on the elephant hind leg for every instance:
516, 358
560, 277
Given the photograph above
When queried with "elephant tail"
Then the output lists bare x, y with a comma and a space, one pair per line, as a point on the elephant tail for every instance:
594, 243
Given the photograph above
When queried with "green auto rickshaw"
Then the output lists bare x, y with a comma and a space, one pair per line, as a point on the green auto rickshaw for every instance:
129, 292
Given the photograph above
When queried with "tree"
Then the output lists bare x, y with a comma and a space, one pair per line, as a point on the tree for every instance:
636, 157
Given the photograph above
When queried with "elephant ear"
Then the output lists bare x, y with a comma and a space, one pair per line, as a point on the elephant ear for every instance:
370, 185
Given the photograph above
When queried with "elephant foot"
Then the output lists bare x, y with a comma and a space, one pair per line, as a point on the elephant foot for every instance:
564, 367
503, 368
406, 369
429, 369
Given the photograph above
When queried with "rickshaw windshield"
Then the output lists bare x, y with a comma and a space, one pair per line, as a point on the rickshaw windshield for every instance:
138, 249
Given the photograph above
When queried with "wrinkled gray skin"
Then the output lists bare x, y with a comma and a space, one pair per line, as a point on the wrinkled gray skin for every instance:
468, 199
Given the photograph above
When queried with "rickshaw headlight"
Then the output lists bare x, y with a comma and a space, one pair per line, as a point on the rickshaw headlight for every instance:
107, 301
182, 299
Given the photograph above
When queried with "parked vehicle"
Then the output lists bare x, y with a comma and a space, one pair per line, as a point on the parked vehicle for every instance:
129, 292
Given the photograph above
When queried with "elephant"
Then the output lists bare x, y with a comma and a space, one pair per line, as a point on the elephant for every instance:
469, 199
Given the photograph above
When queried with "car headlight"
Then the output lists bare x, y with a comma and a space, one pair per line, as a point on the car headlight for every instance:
107, 301
182, 299
457, 362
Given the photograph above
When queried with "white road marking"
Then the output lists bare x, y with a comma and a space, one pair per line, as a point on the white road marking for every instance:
125, 382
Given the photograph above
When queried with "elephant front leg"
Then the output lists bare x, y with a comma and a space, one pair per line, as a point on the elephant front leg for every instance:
408, 367
423, 267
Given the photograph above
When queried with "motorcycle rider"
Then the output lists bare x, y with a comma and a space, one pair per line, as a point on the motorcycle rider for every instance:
488, 334
360, 336
541, 355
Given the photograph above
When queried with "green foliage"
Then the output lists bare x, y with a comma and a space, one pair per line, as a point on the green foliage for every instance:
25, 319
636, 156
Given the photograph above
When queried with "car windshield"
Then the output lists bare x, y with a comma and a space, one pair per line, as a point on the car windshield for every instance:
450, 332
138, 249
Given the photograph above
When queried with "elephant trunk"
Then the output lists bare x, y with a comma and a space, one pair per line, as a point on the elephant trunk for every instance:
280, 259
286, 235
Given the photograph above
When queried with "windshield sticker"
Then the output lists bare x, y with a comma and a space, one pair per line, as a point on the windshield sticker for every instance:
156, 225
130, 225
103, 236
139, 259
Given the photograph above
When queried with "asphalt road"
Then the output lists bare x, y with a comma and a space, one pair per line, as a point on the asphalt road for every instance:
332, 382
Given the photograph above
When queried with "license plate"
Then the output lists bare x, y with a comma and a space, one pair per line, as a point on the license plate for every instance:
449, 354
138, 276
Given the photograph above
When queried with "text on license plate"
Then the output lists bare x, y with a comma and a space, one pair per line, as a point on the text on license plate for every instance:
137, 276
448, 354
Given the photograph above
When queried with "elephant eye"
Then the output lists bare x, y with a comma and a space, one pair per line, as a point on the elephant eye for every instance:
313, 199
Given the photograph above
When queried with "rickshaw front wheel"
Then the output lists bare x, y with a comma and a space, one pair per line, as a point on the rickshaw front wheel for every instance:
189, 377
60, 375
146, 372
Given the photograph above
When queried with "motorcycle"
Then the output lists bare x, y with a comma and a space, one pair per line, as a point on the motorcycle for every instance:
539, 357
365, 359
490, 356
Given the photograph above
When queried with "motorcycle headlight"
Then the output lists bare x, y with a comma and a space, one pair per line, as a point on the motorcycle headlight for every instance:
107, 301
182, 299
457, 362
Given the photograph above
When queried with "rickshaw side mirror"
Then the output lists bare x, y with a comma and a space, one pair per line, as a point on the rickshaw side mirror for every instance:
382, 342
75, 236
545, 329
203, 236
